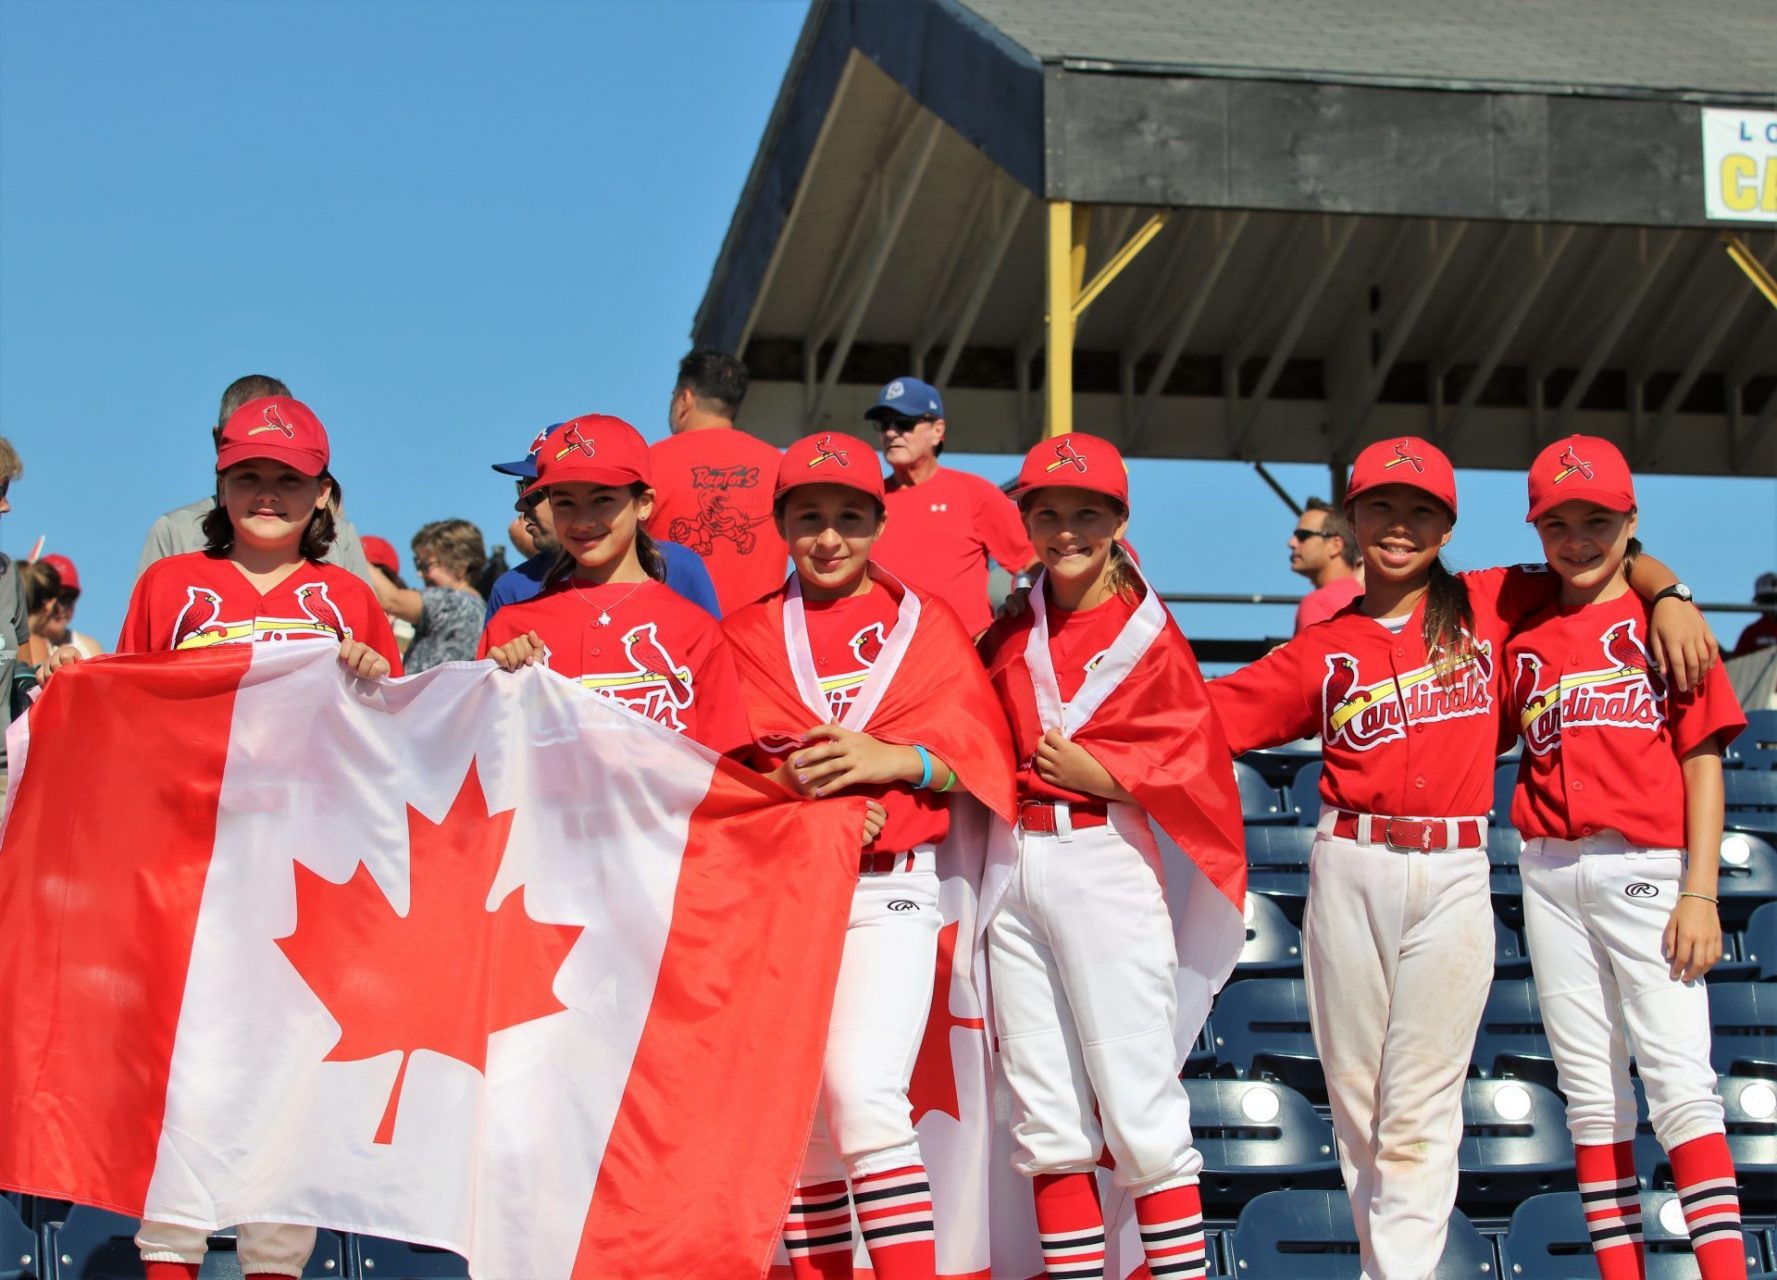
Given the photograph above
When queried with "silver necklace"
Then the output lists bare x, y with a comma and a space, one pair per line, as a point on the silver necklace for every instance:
604, 618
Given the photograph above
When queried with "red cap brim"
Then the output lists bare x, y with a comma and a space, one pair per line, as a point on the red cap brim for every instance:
306, 461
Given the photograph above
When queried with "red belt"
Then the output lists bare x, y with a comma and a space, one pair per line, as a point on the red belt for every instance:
1410, 835
882, 863
1039, 815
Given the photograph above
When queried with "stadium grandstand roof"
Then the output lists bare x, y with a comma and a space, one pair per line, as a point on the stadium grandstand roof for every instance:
1272, 229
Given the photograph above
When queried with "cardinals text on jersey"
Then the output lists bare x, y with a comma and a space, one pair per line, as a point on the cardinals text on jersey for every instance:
200, 623
1365, 715
654, 684
1627, 692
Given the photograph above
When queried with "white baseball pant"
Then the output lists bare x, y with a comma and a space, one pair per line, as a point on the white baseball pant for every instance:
1398, 955
1595, 912
1084, 994
270, 1248
864, 1124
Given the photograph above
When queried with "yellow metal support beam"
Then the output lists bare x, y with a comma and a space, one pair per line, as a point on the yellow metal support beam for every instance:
1068, 295
1744, 259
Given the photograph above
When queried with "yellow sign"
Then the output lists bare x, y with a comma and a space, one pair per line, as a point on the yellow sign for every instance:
1740, 165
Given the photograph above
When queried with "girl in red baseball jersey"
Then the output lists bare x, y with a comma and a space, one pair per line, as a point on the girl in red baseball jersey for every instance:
605, 616
260, 579
1095, 988
837, 669
1402, 687
1619, 801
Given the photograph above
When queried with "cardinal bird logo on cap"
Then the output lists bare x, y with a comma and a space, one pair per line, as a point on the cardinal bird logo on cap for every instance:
274, 421
1067, 456
1572, 464
824, 452
573, 439
1402, 455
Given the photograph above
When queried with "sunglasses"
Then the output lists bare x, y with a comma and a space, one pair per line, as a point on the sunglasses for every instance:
899, 422
422, 563
1302, 535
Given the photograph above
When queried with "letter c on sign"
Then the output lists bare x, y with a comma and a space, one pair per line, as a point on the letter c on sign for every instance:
1738, 189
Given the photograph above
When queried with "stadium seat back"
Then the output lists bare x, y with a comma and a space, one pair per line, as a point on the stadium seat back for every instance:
1511, 1028
18, 1246
380, 1259
1749, 797
1743, 1028
1262, 1033
1259, 800
1511, 959
1308, 1235
1257, 1136
1305, 794
1277, 866
1547, 1240
1273, 945
1747, 876
1505, 781
1758, 943
1756, 747
1505, 880
1514, 1144
94, 1244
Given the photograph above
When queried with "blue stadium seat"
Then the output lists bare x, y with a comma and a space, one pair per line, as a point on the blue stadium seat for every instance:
18, 1246
1547, 1240
1304, 795
1750, 799
1505, 880
94, 1244
1201, 1060
380, 1259
1308, 1235
1273, 945
1505, 779
1261, 1032
1256, 1136
1277, 866
1747, 878
1511, 959
1514, 1144
1259, 800
1743, 1027
1756, 747
1758, 943
1749, 1111
1510, 1041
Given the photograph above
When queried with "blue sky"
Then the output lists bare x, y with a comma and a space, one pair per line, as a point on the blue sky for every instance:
446, 225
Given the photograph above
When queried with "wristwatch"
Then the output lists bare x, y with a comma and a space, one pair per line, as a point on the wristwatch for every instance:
1678, 591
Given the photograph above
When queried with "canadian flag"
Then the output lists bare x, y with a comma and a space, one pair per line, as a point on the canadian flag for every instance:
471, 959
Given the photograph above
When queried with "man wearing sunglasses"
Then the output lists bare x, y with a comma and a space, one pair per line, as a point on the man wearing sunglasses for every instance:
1323, 550
942, 524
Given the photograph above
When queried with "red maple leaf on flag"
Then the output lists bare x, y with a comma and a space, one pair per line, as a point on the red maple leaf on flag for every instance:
933, 1087
446, 975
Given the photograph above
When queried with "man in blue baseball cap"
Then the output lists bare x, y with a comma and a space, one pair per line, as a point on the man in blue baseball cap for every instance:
942, 524
685, 573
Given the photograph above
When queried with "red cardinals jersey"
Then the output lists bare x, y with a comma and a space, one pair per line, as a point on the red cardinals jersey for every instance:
1603, 733
659, 655
940, 534
1397, 738
712, 493
196, 600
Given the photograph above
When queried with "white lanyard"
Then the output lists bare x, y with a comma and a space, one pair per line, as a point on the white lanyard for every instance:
801, 655
1132, 642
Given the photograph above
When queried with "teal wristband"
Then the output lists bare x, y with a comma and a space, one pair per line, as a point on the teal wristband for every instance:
925, 759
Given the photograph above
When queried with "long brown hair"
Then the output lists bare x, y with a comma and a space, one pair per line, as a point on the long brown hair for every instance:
317, 535
1449, 620
653, 563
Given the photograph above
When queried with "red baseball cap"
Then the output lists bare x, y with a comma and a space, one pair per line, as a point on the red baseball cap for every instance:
593, 449
64, 568
381, 553
830, 458
278, 428
1075, 461
1580, 469
1406, 460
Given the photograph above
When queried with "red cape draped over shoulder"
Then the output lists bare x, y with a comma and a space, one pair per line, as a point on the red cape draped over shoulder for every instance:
939, 697
1156, 734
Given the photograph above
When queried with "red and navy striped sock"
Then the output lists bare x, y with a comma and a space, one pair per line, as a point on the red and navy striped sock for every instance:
895, 1214
817, 1232
1070, 1224
1611, 1198
1703, 1172
1171, 1223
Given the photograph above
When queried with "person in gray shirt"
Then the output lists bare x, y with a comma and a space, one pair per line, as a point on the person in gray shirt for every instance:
182, 529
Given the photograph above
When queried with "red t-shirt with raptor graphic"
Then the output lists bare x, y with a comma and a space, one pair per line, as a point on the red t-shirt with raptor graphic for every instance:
712, 493
197, 600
